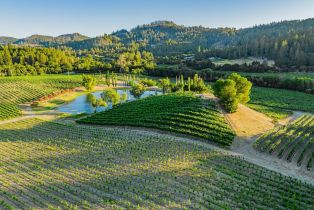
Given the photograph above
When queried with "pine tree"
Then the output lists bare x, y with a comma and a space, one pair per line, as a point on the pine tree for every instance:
7, 59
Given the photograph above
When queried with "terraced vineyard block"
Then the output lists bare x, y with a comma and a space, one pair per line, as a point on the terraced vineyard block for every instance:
293, 143
181, 113
19, 90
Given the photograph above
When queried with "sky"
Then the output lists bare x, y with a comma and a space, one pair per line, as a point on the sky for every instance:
22, 18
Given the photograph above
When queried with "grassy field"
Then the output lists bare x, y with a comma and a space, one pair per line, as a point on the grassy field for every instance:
181, 113
293, 143
19, 90
274, 113
276, 103
46, 165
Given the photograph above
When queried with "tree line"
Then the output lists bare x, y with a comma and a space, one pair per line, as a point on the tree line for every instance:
16, 61
303, 84
34, 61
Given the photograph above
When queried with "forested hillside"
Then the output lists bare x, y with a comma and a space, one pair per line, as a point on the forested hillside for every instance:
4, 40
26, 60
34, 60
288, 43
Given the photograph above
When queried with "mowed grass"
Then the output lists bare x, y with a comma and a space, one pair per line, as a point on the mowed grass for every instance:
182, 113
293, 143
279, 103
45, 165
273, 112
19, 90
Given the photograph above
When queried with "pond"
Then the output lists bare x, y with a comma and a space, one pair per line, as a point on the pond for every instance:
82, 105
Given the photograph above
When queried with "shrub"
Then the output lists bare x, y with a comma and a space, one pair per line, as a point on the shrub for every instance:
137, 90
148, 82
165, 84
197, 84
89, 82
111, 95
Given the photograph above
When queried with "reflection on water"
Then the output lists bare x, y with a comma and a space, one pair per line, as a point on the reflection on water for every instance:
83, 103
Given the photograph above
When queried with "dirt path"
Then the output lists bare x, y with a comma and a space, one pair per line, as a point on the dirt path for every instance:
15, 119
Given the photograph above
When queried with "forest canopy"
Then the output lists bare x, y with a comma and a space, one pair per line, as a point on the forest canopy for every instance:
26, 60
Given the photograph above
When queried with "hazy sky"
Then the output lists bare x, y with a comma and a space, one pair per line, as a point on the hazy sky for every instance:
21, 18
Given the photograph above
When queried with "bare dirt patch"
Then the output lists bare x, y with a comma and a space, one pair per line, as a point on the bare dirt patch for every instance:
246, 122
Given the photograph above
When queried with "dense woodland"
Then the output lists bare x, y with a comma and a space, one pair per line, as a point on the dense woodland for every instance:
33, 61
293, 49
26, 60
289, 43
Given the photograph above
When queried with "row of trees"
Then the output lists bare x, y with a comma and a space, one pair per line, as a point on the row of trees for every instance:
195, 84
90, 81
304, 84
111, 79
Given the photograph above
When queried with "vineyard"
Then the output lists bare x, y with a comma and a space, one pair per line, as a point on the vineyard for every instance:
293, 143
276, 103
45, 165
19, 90
181, 113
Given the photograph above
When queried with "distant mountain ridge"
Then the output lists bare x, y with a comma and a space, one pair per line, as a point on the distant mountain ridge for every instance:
4, 40
43, 40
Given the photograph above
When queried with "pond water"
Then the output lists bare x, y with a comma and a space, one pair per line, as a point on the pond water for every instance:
82, 105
